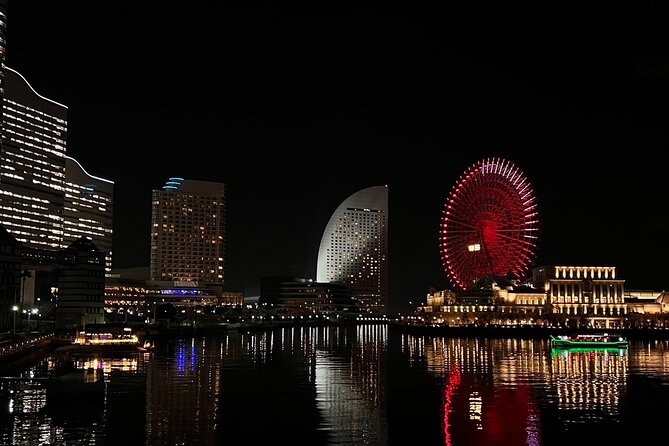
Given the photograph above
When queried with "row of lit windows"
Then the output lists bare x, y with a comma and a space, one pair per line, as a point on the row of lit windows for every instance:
31, 169
96, 200
35, 114
23, 197
58, 144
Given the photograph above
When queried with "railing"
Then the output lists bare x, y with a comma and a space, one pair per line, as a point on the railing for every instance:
13, 347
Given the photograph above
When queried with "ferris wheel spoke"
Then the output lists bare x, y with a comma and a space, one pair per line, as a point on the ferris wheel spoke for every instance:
518, 240
491, 193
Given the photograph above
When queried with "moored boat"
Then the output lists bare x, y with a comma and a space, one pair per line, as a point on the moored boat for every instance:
589, 340
105, 339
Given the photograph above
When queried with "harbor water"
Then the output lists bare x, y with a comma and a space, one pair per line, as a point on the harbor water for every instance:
341, 385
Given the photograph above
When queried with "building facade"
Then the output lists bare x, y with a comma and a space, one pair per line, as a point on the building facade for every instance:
297, 295
88, 209
573, 296
48, 204
593, 292
32, 164
188, 232
354, 248
60, 287
47, 200
81, 285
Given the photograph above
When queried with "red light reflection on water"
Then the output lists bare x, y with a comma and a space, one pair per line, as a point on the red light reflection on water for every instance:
506, 414
449, 390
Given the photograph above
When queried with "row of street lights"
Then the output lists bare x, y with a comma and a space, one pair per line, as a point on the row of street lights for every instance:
30, 312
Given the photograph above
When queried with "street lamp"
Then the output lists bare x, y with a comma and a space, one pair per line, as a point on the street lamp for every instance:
32, 311
15, 308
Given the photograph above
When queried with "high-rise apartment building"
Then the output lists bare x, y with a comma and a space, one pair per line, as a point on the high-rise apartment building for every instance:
188, 232
354, 248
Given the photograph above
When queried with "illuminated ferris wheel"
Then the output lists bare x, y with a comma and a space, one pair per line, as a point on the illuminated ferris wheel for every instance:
489, 224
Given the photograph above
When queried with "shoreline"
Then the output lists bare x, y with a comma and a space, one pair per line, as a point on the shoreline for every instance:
631, 334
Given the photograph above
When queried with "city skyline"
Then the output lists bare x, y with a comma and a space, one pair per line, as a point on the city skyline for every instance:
309, 107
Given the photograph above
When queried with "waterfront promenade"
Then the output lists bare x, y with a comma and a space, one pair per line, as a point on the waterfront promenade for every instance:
17, 345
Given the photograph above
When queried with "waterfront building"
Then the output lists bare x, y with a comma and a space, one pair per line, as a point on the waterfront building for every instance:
65, 286
130, 295
296, 295
574, 296
188, 232
645, 303
592, 293
234, 298
81, 285
492, 300
354, 248
10, 278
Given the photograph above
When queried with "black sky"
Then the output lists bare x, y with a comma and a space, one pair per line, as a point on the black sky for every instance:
297, 109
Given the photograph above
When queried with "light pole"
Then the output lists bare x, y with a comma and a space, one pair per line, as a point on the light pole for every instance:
15, 308
32, 311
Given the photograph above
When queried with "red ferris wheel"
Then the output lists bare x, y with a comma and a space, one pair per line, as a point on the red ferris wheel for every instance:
489, 224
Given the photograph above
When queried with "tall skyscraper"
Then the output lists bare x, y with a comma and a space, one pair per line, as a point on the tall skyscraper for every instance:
354, 248
32, 164
188, 232
3, 32
88, 209
47, 200
48, 203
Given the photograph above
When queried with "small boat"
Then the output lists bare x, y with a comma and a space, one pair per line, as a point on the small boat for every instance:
590, 340
102, 339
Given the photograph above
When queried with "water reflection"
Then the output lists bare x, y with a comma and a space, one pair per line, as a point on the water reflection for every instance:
493, 389
325, 384
589, 382
341, 385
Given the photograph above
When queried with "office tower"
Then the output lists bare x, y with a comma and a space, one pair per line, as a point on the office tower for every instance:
88, 209
354, 248
32, 164
3, 42
188, 232
47, 200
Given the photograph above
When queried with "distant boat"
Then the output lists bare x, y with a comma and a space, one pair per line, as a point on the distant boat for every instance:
589, 340
106, 339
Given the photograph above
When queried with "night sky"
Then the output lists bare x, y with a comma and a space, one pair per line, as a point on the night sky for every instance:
295, 110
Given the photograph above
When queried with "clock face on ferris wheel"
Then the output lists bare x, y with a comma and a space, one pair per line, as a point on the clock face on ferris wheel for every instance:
489, 224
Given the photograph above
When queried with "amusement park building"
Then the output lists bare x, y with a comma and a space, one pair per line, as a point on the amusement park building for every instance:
593, 296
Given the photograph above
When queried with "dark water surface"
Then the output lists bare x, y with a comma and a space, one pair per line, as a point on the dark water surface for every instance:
364, 385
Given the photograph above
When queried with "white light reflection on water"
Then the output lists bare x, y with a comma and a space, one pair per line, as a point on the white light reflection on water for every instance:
502, 386
350, 387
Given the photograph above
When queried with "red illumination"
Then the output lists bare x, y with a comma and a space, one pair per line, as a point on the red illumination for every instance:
449, 390
492, 205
